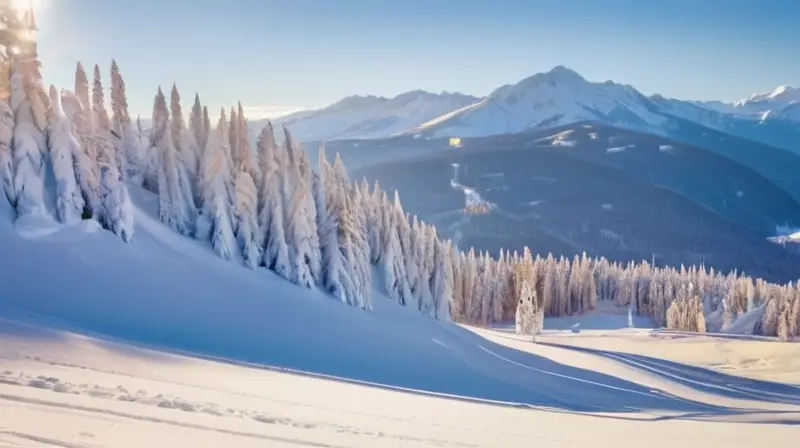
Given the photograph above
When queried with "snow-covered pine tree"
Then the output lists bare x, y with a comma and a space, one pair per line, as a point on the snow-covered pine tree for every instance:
247, 159
378, 223
173, 209
247, 228
272, 238
315, 263
186, 148
233, 136
29, 150
198, 127
128, 150
63, 147
116, 209
421, 279
87, 171
404, 236
299, 226
159, 127
352, 246
394, 266
471, 297
457, 306
500, 284
443, 280
6, 157
427, 254
246, 214
215, 175
206, 127
525, 319
84, 124
140, 136
361, 256
334, 278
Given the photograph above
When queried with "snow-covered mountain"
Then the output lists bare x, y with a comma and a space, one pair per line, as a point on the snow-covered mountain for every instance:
362, 117
779, 104
774, 121
778, 99
561, 96
550, 99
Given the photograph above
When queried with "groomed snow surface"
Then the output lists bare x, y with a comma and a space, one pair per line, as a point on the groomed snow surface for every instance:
161, 343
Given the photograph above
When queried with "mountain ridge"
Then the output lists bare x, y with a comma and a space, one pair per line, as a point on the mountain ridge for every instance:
549, 99
371, 116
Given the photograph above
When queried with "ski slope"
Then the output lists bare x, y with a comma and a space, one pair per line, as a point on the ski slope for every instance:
335, 376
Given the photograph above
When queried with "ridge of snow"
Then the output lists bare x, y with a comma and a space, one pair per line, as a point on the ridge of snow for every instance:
362, 117
781, 94
559, 96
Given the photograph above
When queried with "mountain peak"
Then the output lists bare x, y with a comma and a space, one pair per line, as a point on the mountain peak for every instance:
780, 96
782, 90
558, 76
562, 72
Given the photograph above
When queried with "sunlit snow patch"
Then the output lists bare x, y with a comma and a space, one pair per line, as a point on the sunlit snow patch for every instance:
619, 148
474, 204
559, 139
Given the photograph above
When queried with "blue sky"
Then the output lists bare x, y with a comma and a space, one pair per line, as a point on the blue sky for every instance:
281, 55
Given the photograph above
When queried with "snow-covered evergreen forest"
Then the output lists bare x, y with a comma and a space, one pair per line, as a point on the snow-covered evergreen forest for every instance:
262, 205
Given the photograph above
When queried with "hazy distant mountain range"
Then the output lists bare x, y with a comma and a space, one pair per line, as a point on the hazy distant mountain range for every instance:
373, 116
557, 97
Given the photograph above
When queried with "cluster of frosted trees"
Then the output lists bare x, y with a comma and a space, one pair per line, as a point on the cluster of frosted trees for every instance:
67, 139
693, 299
266, 207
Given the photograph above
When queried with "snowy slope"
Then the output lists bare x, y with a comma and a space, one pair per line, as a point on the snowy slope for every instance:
171, 293
550, 99
93, 392
167, 291
361, 117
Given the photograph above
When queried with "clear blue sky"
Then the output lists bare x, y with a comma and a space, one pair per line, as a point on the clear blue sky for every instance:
300, 53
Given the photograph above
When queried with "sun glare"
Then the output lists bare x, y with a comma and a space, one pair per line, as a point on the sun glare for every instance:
22, 5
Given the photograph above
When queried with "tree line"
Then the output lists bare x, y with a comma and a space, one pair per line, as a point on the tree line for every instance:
264, 206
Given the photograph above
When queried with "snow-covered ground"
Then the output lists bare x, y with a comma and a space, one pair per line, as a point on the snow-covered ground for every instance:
606, 330
66, 390
95, 338
764, 360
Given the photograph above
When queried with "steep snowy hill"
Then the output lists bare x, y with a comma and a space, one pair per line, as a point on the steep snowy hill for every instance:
169, 292
550, 99
371, 116
172, 292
